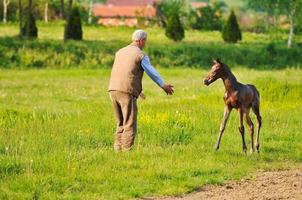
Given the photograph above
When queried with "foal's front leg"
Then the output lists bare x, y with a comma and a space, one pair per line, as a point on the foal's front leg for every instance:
251, 129
241, 129
226, 116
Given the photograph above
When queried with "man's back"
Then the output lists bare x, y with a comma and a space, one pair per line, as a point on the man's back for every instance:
127, 73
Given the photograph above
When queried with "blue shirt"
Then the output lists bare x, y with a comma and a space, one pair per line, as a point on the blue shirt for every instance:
151, 71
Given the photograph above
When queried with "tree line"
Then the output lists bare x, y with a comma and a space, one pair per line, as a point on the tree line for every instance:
176, 15
27, 21
173, 15
46, 9
276, 8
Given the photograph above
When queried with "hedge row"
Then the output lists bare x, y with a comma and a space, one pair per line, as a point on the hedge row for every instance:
25, 54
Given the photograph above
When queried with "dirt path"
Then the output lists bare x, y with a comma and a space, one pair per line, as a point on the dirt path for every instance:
265, 186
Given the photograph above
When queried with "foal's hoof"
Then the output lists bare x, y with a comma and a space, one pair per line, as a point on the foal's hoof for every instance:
258, 148
216, 147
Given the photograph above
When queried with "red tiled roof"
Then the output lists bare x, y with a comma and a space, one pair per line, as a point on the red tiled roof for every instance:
130, 2
131, 8
123, 11
198, 4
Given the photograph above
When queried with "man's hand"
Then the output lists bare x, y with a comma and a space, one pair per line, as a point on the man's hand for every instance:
168, 89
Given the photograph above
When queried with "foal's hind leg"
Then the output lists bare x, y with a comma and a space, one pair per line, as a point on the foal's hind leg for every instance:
251, 129
255, 108
241, 129
226, 116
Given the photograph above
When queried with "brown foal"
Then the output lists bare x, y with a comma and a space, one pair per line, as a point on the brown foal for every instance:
239, 96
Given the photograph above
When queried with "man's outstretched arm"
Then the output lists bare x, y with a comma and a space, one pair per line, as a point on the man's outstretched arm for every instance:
154, 75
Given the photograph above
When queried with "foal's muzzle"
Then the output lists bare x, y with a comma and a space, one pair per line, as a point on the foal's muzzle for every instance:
206, 82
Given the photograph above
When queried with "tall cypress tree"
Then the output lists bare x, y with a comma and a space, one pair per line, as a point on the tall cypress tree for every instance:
231, 32
174, 28
28, 27
73, 28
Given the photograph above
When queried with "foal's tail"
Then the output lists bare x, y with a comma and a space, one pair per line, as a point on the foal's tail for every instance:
256, 110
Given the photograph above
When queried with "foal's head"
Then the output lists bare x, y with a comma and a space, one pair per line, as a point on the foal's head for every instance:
218, 71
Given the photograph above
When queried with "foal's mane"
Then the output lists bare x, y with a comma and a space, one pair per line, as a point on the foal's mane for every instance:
230, 74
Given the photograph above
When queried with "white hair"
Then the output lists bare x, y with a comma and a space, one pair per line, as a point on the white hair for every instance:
139, 35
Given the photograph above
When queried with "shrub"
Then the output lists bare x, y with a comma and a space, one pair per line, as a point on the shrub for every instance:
73, 28
167, 8
174, 28
25, 54
231, 32
29, 28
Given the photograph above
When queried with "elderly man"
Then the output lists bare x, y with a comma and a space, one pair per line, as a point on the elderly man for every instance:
126, 85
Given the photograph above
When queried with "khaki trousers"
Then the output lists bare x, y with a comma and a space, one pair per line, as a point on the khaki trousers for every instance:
125, 108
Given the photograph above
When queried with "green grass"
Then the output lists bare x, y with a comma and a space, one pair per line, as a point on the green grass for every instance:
56, 134
56, 126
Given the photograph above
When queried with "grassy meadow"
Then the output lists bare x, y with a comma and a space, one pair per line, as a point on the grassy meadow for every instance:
57, 123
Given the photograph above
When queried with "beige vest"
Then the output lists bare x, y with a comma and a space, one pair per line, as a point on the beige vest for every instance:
127, 73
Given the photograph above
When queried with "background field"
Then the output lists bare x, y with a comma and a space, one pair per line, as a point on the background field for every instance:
258, 51
56, 126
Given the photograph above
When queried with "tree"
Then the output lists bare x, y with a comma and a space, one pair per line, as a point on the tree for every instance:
63, 16
170, 14
90, 12
159, 14
231, 32
166, 9
290, 7
5, 6
29, 28
9, 10
174, 28
270, 7
86, 9
73, 27
208, 17
49, 7
70, 2
280, 7
46, 11
20, 17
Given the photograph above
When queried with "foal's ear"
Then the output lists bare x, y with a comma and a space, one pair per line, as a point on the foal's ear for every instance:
217, 60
